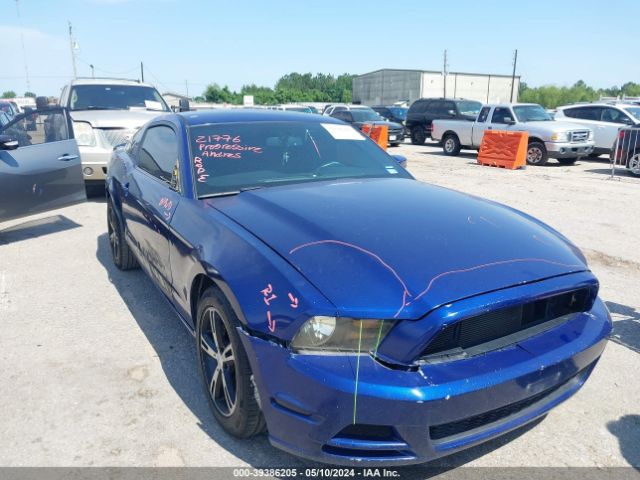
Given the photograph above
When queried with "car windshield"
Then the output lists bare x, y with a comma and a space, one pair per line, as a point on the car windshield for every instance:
469, 108
228, 158
635, 111
365, 115
531, 113
116, 97
399, 112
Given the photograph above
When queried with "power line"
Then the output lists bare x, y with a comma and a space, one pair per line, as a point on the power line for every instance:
107, 71
24, 52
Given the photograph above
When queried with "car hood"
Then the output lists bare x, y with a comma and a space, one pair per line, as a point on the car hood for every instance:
555, 126
397, 248
130, 119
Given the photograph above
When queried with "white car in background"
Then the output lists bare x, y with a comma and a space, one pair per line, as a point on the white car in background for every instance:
605, 119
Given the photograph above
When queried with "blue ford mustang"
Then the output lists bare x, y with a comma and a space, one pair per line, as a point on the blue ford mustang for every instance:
356, 314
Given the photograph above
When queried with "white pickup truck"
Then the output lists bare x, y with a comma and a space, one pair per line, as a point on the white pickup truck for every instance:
563, 141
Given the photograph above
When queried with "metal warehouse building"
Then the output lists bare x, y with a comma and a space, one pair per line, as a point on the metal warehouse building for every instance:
386, 86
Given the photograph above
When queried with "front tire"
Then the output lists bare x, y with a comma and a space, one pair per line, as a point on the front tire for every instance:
224, 368
121, 253
537, 154
567, 161
418, 135
451, 145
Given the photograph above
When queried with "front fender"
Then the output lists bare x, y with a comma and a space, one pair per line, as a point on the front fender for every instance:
267, 294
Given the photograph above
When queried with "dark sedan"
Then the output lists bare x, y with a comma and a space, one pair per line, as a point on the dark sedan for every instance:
360, 116
359, 316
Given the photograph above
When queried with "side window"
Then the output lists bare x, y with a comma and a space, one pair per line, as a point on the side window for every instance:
38, 126
484, 113
584, 113
613, 115
449, 107
419, 106
501, 115
436, 108
342, 115
158, 154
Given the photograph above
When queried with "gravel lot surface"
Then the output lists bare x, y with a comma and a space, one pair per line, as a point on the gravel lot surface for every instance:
95, 370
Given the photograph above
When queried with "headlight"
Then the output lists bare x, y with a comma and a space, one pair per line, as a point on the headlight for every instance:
340, 335
560, 137
590, 134
84, 134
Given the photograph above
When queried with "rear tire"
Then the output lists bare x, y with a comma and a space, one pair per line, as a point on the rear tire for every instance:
224, 367
567, 161
418, 135
451, 145
634, 165
395, 144
537, 154
121, 253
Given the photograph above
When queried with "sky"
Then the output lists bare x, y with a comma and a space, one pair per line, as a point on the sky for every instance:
187, 44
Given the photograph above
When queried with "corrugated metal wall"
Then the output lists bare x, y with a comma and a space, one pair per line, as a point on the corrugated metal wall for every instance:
384, 87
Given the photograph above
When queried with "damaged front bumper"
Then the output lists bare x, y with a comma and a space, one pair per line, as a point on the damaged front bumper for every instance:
317, 407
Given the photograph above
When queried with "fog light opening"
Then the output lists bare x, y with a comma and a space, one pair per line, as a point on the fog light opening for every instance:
88, 171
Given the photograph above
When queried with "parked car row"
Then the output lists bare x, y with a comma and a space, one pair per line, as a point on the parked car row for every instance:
360, 115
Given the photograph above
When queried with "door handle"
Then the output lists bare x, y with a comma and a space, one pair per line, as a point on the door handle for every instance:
66, 157
489, 128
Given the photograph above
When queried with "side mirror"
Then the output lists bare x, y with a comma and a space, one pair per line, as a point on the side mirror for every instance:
509, 121
401, 159
183, 105
451, 113
8, 143
42, 102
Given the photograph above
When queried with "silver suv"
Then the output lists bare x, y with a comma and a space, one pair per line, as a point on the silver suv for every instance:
605, 119
105, 113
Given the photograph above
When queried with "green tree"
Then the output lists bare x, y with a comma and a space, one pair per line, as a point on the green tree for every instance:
30, 94
292, 87
9, 94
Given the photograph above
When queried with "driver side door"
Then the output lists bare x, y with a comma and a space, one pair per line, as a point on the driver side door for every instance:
40, 167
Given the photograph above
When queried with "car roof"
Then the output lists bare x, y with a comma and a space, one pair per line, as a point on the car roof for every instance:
599, 104
232, 115
108, 81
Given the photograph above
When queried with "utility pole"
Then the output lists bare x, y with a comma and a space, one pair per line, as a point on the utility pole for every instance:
24, 52
186, 84
73, 53
513, 75
142, 71
444, 71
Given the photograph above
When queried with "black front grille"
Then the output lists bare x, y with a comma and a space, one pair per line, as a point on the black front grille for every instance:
492, 330
438, 432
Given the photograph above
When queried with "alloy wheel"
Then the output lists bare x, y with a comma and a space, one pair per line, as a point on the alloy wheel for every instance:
449, 145
634, 164
534, 155
218, 362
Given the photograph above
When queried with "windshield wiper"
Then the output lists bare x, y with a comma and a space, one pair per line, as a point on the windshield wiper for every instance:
219, 194
94, 107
